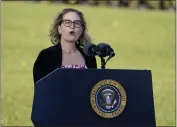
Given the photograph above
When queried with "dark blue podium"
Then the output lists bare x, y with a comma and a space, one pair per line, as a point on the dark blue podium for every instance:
63, 99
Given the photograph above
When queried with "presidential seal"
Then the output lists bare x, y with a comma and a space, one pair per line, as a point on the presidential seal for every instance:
108, 98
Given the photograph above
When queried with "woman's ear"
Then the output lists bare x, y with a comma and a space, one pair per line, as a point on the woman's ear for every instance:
59, 29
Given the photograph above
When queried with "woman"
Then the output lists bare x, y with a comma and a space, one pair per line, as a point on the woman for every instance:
68, 34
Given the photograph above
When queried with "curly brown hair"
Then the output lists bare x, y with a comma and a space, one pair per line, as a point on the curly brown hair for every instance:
56, 37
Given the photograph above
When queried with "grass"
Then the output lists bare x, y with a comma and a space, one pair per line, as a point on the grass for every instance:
141, 40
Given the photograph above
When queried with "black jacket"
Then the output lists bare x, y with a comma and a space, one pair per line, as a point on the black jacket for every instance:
50, 59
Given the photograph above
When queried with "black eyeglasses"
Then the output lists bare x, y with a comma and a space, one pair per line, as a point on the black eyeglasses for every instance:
76, 23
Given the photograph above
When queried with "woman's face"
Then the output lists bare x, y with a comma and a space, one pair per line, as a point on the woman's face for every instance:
71, 27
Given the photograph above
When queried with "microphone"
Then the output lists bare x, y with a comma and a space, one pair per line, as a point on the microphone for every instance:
90, 49
105, 50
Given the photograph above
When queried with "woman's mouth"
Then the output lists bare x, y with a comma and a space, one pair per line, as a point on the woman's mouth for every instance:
72, 33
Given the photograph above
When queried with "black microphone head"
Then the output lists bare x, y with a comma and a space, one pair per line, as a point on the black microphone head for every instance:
105, 49
88, 49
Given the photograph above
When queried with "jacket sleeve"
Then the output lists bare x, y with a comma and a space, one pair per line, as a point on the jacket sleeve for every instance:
40, 68
93, 62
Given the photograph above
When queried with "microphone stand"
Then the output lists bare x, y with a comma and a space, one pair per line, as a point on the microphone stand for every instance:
103, 62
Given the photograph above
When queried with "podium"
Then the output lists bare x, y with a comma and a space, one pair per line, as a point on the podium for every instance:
65, 98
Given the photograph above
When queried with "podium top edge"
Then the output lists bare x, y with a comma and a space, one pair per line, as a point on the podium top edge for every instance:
106, 69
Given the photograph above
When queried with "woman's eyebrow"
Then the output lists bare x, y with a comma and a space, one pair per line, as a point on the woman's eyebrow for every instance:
73, 20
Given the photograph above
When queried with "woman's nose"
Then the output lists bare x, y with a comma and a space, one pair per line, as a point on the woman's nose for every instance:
72, 25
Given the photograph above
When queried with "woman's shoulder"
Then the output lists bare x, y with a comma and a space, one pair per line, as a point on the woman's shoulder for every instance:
49, 53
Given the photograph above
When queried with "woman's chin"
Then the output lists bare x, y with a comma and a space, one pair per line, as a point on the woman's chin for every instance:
71, 40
